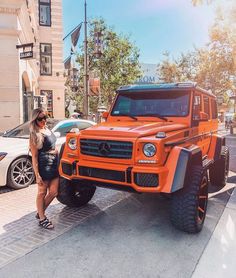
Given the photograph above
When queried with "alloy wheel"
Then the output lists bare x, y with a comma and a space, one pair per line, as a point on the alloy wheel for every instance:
21, 173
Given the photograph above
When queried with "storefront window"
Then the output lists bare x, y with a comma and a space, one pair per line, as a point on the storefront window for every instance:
45, 59
45, 12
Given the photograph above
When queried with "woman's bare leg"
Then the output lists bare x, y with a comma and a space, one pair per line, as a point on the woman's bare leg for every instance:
40, 203
52, 192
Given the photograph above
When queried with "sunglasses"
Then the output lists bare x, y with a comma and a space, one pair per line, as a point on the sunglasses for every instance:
40, 119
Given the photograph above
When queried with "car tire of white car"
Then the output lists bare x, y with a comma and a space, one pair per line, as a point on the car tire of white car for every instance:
20, 173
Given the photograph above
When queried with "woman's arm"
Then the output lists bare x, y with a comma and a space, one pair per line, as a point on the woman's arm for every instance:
34, 152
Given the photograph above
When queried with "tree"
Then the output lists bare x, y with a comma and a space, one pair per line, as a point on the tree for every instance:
216, 62
118, 64
212, 66
181, 69
168, 71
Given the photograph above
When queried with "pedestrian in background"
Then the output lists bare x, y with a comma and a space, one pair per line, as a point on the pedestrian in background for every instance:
45, 164
226, 124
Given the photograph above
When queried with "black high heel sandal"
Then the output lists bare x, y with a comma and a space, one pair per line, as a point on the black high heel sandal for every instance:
46, 224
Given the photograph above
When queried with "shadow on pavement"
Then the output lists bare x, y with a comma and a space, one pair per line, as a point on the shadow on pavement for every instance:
232, 179
4, 189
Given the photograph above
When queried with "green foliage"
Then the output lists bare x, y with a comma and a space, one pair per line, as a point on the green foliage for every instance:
67, 113
212, 67
118, 64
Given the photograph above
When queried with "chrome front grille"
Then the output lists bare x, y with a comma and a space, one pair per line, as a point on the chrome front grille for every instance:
106, 148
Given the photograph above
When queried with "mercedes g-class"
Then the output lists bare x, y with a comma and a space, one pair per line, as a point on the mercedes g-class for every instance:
157, 138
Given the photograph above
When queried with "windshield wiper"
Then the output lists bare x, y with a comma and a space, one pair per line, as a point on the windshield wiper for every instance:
127, 115
154, 115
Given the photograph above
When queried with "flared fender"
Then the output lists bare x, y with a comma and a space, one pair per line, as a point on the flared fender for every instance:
178, 163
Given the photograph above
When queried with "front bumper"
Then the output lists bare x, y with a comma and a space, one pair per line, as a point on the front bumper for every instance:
138, 178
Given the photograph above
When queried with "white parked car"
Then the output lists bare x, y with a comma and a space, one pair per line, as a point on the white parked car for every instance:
15, 165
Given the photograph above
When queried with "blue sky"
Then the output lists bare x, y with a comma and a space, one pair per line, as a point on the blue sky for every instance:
154, 26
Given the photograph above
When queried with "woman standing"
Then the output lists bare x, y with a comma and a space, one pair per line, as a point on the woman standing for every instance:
45, 164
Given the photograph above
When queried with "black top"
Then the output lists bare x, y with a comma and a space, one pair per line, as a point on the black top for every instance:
49, 142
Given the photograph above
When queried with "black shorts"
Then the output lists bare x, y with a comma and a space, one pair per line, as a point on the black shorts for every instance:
48, 165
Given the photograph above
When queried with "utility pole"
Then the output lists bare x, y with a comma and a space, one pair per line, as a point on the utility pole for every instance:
86, 76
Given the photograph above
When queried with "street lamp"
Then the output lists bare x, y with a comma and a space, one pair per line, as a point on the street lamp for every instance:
86, 76
97, 43
97, 54
74, 79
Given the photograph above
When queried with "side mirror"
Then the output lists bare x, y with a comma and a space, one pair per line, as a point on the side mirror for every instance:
105, 115
203, 116
57, 134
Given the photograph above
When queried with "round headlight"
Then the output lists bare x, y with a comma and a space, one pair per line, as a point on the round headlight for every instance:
72, 143
149, 149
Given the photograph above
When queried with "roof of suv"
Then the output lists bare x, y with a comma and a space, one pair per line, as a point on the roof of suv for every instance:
162, 87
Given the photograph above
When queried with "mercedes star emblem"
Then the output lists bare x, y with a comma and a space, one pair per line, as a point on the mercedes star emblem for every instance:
104, 148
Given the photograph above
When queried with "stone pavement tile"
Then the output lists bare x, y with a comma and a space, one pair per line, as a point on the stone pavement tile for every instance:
19, 230
10, 252
4, 255
2, 261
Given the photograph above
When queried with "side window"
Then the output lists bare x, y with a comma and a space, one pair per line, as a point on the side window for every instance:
206, 105
196, 107
214, 109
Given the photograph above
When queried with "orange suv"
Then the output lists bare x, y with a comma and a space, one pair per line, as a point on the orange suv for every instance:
159, 138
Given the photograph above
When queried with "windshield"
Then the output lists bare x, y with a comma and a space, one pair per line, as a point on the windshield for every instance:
165, 104
22, 131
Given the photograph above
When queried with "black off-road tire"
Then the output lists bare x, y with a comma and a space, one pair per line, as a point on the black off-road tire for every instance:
219, 170
74, 194
188, 205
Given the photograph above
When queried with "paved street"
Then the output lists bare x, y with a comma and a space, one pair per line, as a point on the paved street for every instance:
117, 235
135, 234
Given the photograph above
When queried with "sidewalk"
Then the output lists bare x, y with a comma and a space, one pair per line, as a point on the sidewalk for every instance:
218, 258
19, 231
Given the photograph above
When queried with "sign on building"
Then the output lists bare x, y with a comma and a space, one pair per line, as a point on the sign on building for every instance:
26, 50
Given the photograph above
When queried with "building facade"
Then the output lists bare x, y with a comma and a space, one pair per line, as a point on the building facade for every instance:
149, 74
31, 60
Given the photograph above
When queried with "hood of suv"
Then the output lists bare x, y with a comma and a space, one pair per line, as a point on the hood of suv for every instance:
131, 129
